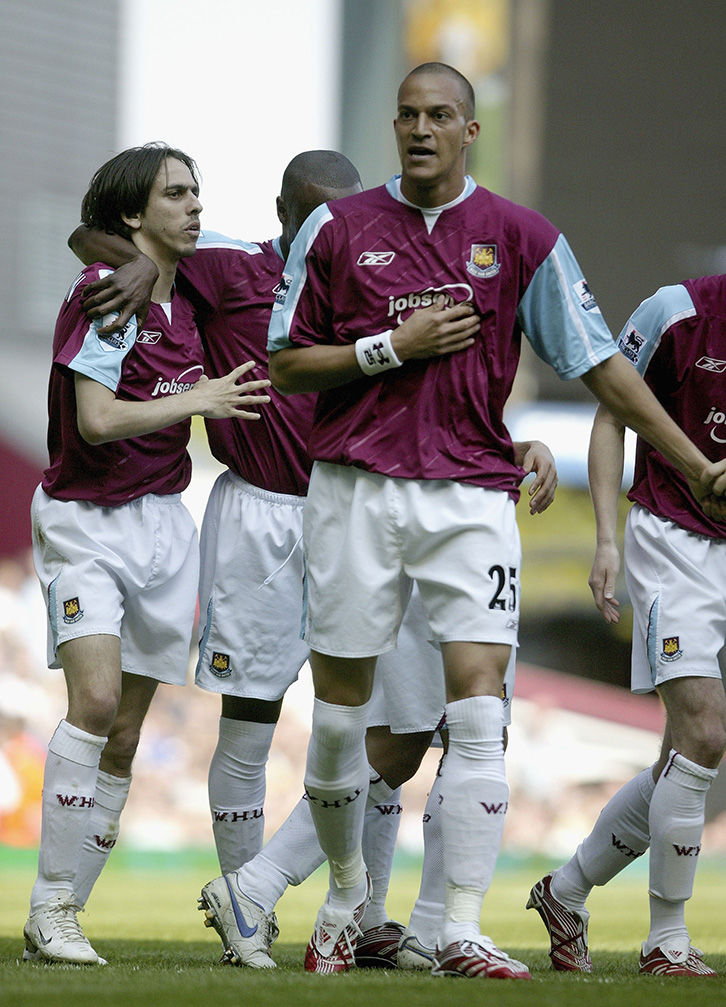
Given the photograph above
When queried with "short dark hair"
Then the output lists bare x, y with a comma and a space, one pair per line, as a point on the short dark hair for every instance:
121, 187
327, 169
467, 91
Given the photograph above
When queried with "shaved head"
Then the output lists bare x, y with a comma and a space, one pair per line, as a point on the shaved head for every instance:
310, 179
326, 169
466, 91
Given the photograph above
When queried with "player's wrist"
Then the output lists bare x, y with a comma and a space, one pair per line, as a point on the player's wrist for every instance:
376, 353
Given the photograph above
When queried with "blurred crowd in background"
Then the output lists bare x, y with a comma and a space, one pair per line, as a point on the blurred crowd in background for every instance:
562, 766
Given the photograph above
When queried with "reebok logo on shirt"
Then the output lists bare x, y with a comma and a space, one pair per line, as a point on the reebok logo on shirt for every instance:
376, 258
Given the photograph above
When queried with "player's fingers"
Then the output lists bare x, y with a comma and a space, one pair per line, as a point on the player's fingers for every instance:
246, 399
119, 321
719, 485
243, 414
241, 369
252, 386
97, 307
460, 344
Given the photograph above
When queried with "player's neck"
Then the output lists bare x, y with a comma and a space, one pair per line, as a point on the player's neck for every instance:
164, 285
165, 263
429, 195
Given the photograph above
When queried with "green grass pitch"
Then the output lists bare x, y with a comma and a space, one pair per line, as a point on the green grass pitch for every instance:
143, 918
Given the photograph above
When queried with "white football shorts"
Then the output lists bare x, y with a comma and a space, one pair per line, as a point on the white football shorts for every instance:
129, 571
250, 591
251, 610
677, 586
369, 537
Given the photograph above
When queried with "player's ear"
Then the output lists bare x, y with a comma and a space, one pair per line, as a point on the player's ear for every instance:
134, 221
281, 210
471, 132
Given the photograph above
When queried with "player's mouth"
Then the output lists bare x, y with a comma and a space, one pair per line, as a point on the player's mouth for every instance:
194, 229
418, 153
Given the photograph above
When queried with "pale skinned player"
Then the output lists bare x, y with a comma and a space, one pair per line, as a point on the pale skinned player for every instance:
675, 558
415, 478
114, 548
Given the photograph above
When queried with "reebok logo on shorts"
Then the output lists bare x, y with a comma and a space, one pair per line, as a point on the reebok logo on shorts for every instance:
219, 665
72, 610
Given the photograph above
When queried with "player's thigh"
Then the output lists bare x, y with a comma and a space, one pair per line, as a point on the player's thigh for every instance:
92, 670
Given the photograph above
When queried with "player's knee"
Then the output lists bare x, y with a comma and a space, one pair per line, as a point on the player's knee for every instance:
712, 743
400, 758
94, 712
118, 755
706, 742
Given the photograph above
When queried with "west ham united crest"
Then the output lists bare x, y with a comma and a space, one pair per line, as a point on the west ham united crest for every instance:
220, 665
72, 610
671, 648
483, 261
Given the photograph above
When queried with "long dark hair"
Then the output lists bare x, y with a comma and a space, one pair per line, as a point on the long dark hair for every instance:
121, 186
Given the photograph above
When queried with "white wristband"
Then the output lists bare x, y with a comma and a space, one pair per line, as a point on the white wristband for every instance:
375, 353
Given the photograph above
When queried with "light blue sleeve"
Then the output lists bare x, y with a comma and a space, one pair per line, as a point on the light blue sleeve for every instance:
560, 316
213, 239
102, 357
294, 279
644, 330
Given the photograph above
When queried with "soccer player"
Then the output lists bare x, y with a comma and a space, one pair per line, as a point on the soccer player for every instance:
252, 574
251, 585
114, 548
249, 894
675, 566
415, 477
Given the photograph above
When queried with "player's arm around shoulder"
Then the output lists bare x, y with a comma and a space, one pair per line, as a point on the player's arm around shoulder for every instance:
126, 291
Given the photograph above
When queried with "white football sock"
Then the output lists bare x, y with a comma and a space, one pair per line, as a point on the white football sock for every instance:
69, 785
474, 795
677, 812
290, 856
620, 835
380, 830
428, 913
103, 828
237, 790
336, 784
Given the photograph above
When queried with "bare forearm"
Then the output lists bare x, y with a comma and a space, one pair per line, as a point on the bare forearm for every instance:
623, 392
102, 417
605, 471
313, 368
90, 245
121, 419
428, 332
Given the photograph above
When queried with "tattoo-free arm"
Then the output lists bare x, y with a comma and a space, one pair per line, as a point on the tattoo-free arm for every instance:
127, 290
427, 332
103, 417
